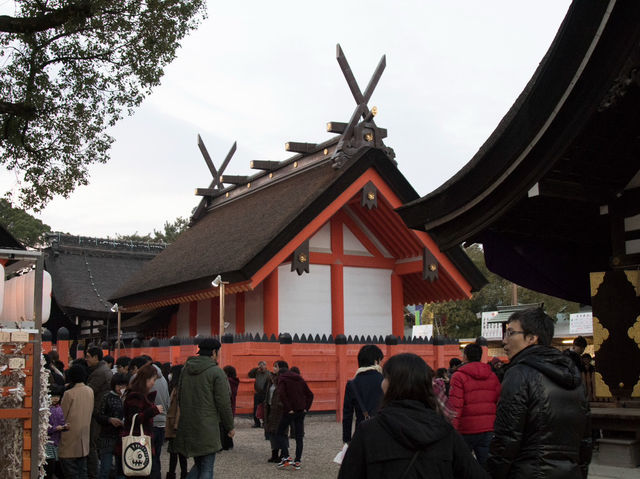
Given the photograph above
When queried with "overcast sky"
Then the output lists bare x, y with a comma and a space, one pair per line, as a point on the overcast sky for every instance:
263, 73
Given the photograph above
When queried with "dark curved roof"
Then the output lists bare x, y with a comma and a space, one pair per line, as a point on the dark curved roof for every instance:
85, 272
569, 145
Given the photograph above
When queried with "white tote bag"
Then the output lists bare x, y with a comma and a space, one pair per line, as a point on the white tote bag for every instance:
136, 453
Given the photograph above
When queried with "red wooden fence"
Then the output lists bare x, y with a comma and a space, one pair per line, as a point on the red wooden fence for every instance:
325, 366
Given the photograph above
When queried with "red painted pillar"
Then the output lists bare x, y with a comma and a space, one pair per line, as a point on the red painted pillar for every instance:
62, 346
270, 304
240, 312
215, 316
193, 318
397, 305
337, 299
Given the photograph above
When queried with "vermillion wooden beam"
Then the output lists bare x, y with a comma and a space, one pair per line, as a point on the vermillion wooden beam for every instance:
270, 304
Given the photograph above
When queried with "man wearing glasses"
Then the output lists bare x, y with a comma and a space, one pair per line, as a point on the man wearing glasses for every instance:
542, 426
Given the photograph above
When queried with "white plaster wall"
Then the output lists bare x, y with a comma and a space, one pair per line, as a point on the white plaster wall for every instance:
253, 311
182, 320
367, 301
351, 244
204, 317
304, 302
321, 241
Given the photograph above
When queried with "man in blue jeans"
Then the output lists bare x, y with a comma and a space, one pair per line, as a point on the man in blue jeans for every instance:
296, 399
205, 405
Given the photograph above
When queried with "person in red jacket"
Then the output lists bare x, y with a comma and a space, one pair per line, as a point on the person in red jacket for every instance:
473, 396
296, 400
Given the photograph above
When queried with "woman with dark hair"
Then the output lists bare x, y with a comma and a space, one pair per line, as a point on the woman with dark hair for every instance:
173, 417
140, 400
409, 437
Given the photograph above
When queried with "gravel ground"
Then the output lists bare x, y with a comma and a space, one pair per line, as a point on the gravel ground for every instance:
248, 459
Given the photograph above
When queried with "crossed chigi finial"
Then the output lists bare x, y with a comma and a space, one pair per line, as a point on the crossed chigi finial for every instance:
356, 133
361, 131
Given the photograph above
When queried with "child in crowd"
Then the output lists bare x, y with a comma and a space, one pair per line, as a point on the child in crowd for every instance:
109, 416
56, 426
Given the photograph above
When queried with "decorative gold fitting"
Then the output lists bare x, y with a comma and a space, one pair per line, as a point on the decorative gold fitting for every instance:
295, 164
368, 137
615, 261
270, 175
374, 111
371, 196
433, 267
226, 195
329, 126
326, 150
221, 179
302, 258
251, 164
248, 185
621, 385
286, 146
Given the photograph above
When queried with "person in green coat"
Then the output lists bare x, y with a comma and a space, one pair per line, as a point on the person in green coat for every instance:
204, 402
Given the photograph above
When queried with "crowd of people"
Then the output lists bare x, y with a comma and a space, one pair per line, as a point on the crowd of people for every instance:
529, 418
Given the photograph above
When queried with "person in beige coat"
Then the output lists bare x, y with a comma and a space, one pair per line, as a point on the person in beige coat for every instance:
77, 406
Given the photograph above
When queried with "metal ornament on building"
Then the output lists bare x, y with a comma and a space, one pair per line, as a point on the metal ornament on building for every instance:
429, 266
369, 196
300, 259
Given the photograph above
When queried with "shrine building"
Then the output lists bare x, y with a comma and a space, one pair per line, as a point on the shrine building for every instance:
309, 245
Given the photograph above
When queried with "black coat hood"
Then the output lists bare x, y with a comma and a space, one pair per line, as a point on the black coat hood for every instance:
413, 424
558, 367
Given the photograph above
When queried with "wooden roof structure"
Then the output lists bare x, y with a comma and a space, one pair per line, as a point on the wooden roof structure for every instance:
245, 226
549, 192
86, 271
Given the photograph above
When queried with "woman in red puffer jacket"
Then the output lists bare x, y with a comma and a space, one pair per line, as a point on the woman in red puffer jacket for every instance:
473, 394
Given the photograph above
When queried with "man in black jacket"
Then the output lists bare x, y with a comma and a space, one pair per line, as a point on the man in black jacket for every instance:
363, 391
542, 426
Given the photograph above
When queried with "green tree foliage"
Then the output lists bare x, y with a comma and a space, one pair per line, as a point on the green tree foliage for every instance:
25, 228
459, 319
71, 69
168, 235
